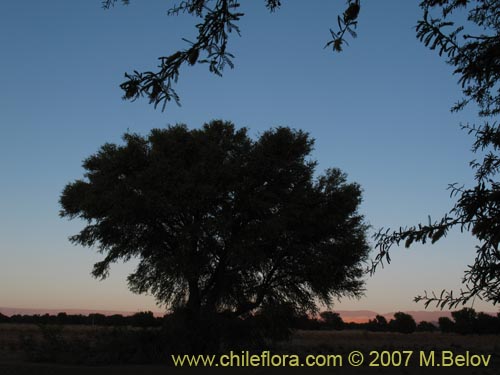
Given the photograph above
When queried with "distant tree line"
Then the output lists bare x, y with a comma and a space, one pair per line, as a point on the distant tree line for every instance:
328, 320
140, 319
465, 321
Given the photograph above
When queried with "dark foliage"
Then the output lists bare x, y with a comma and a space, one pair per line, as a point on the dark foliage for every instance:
3, 318
257, 331
403, 323
140, 319
212, 334
332, 320
464, 320
222, 224
379, 324
476, 59
305, 322
446, 324
486, 324
471, 47
218, 19
467, 321
424, 326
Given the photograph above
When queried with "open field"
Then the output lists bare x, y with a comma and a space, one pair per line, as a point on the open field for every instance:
303, 341
14, 361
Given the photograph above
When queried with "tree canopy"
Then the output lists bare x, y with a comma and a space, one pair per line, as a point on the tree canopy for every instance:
467, 34
403, 323
221, 223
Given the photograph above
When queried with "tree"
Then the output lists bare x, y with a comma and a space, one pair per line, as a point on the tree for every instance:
219, 223
332, 320
379, 324
143, 319
424, 326
211, 45
476, 59
486, 324
3, 318
446, 324
465, 320
403, 323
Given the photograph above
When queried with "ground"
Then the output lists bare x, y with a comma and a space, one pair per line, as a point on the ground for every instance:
13, 361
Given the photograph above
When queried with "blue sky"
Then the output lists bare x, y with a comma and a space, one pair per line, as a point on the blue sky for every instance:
379, 111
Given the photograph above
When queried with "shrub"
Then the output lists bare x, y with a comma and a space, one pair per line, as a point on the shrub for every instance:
403, 323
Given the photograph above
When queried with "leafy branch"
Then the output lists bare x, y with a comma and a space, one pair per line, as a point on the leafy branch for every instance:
346, 23
476, 59
210, 46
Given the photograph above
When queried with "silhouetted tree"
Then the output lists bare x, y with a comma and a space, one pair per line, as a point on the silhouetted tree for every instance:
465, 320
3, 318
403, 323
143, 319
446, 324
486, 324
332, 320
424, 326
379, 324
221, 223
476, 60
62, 318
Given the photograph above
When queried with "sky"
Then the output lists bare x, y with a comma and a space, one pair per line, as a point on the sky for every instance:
380, 111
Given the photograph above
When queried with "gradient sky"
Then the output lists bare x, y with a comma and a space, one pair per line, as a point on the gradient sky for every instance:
379, 111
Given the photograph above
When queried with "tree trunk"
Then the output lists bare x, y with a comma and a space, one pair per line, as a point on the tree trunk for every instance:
193, 306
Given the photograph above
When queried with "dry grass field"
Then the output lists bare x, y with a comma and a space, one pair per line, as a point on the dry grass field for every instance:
13, 361
303, 341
